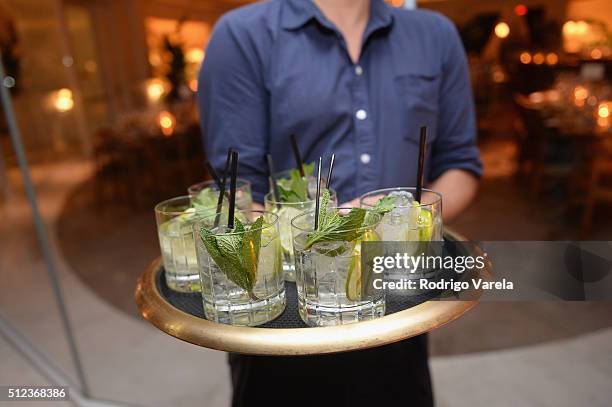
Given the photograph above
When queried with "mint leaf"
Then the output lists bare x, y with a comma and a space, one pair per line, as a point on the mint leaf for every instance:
383, 206
336, 227
205, 202
323, 204
236, 253
295, 188
224, 251
287, 195
309, 169
250, 248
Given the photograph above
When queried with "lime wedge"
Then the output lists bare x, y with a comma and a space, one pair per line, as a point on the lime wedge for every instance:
425, 225
354, 278
285, 215
422, 222
186, 215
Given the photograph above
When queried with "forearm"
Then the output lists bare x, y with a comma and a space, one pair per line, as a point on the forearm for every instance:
458, 188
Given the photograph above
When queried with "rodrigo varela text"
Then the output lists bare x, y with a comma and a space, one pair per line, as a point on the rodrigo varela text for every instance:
423, 263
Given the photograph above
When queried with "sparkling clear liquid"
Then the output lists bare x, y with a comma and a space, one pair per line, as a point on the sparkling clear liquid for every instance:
179, 256
227, 303
321, 284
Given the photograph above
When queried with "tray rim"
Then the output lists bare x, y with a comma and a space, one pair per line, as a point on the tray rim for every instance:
388, 329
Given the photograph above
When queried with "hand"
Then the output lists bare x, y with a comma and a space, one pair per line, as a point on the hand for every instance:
351, 204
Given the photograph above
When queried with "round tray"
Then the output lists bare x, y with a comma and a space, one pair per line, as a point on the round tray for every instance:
181, 315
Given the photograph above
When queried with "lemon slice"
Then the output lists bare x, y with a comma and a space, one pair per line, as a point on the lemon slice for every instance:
355, 277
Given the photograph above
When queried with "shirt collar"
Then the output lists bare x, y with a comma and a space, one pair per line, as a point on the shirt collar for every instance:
299, 12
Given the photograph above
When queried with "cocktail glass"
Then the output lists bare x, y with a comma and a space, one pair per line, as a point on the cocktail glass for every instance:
244, 286
409, 220
174, 228
333, 289
204, 196
416, 224
312, 181
286, 211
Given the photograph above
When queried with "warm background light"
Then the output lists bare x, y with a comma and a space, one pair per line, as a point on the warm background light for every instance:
396, 3
520, 10
155, 89
552, 58
502, 30
596, 53
581, 93
167, 122
538, 58
62, 100
604, 110
525, 57
195, 56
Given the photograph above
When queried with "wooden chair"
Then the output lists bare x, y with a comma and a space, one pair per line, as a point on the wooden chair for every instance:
542, 152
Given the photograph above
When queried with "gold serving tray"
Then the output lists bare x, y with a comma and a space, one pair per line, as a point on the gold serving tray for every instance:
295, 341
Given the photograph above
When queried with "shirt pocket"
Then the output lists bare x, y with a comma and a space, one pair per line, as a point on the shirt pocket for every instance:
419, 104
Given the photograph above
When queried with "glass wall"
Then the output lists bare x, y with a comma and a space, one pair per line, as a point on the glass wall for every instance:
104, 97
103, 94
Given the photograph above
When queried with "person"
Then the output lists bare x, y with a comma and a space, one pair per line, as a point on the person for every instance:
357, 78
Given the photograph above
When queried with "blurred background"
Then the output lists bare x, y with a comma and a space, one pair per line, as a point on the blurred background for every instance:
104, 96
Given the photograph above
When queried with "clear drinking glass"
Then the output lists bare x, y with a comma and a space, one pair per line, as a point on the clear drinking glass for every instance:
286, 211
332, 287
204, 196
410, 220
174, 228
246, 288
312, 181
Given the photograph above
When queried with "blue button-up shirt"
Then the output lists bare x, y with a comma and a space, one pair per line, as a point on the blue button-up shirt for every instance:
280, 67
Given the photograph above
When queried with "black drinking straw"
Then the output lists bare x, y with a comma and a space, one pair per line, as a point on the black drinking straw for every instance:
216, 178
232, 201
316, 220
222, 187
298, 156
420, 169
273, 182
331, 168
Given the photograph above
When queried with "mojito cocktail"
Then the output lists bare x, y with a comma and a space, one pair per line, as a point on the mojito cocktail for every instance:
408, 220
286, 211
204, 196
241, 269
333, 289
175, 218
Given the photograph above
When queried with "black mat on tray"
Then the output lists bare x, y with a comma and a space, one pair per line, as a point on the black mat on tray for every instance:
191, 303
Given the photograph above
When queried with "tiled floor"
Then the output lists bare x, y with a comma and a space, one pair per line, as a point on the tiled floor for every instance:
125, 359
567, 363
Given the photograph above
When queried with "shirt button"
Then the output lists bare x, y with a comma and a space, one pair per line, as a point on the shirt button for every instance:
365, 158
361, 114
358, 70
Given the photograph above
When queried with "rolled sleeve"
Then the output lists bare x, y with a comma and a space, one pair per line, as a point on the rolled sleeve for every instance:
233, 104
455, 145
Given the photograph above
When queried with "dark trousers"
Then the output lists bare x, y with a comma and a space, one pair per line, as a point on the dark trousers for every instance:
391, 375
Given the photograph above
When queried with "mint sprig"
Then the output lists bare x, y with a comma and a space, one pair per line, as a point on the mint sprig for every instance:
295, 188
236, 253
335, 227
382, 207
205, 202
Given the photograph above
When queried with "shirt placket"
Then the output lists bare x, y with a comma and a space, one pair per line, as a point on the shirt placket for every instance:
364, 131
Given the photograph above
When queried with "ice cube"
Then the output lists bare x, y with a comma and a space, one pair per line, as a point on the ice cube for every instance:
402, 198
331, 249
